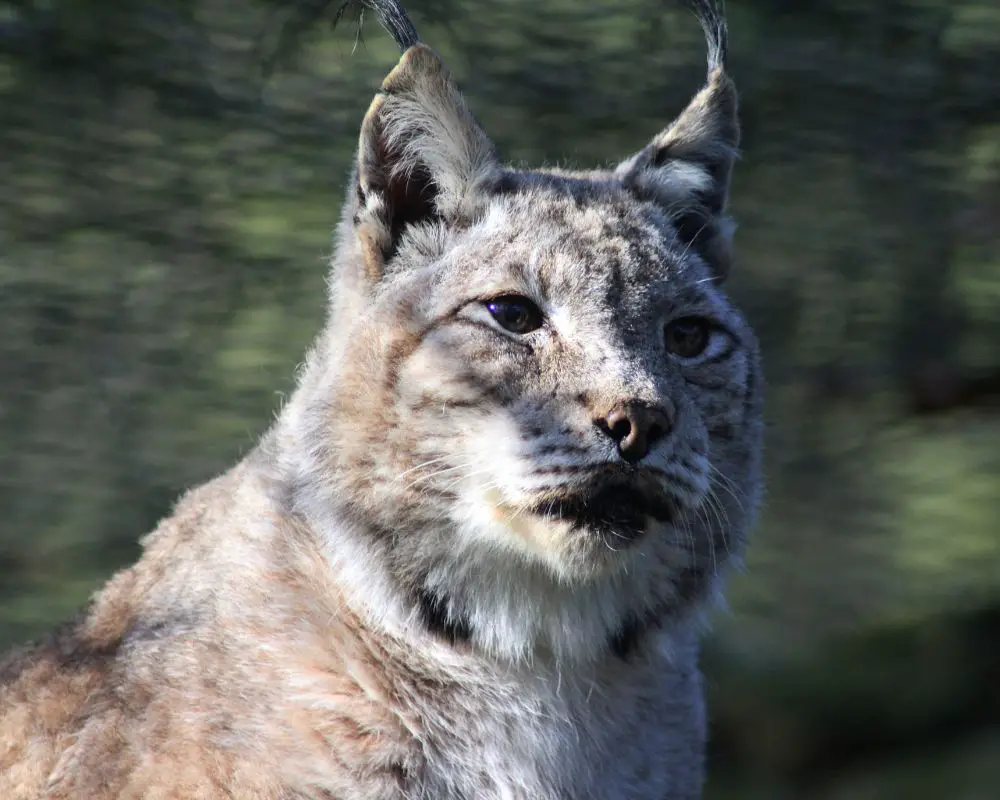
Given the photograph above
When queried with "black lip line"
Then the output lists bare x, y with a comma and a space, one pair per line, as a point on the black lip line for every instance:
610, 470
613, 506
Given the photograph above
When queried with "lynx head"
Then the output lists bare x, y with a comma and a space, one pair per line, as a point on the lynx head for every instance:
533, 421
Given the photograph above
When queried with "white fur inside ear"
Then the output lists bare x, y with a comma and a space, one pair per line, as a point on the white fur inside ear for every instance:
683, 176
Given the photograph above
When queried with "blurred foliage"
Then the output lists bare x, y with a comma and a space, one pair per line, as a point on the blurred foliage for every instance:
166, 216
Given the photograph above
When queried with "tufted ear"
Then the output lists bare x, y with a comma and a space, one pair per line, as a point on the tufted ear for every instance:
688, 166
421, 158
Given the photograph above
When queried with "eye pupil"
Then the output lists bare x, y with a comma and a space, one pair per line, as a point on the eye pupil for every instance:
515, 314
687, 338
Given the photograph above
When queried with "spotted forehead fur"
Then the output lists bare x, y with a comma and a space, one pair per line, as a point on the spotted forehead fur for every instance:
604, 237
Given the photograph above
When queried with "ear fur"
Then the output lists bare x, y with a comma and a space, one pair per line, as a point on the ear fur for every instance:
687, 168
421, 156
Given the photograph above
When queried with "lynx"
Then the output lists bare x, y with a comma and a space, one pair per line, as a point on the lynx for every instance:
472, 556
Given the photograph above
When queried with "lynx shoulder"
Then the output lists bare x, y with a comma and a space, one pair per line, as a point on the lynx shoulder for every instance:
469, 558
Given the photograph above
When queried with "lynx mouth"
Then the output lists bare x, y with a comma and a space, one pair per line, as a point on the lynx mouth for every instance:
622, 511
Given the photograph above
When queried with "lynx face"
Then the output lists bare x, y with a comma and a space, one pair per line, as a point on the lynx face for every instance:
578, 384
537, 408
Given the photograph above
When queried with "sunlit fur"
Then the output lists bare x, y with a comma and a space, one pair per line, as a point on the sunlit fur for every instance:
425, 418
387, 598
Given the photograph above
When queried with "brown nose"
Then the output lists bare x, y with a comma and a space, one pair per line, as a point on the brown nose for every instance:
635, 428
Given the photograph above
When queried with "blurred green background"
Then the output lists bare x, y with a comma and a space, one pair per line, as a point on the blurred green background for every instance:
166, 213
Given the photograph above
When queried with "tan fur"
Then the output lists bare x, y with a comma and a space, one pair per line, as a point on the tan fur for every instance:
231, 705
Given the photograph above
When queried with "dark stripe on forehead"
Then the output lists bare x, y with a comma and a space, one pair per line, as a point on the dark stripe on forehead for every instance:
615, 286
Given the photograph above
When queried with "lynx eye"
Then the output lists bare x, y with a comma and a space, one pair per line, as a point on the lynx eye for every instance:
688, 337
515, 313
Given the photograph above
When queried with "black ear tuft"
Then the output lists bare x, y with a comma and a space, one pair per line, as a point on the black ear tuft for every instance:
687, 168
711, 15
299, 16
392, 16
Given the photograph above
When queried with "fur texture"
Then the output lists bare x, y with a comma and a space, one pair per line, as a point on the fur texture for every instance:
469, 559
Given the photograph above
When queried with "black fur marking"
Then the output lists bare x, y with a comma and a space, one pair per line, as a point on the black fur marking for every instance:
506, 183
441, 620
625, 640
635, 628
615, 510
